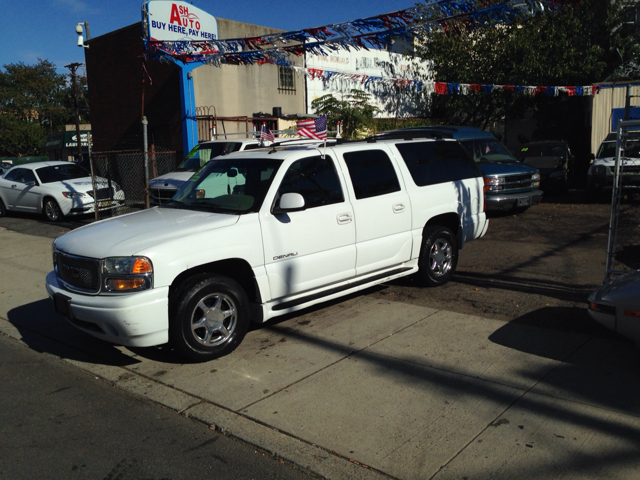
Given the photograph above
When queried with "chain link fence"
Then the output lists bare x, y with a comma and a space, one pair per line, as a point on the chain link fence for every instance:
623, 251
120, 185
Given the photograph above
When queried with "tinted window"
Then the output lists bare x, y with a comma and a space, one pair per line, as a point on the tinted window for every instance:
22, 175
487, 150
372, 173
199, 157
60, 173
315, 179
437, 162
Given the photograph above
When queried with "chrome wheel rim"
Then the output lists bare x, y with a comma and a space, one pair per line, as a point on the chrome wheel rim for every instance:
214, 319
52, 211
440, 257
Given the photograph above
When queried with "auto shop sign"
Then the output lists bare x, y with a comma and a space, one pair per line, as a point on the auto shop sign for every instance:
178, 21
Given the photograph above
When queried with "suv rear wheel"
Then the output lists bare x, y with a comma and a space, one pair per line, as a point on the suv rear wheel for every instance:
211, 318
438, 256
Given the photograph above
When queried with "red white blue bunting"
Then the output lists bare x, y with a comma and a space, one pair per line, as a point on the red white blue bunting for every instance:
371, 32
344, 81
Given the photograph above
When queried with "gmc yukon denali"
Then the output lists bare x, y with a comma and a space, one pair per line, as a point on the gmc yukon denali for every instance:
258, 234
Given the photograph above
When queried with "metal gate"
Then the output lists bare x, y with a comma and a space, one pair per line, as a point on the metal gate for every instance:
623, 250
119, 178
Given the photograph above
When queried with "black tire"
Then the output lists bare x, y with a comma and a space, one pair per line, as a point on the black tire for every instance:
210, 319
3, 209
51, 210
438, 256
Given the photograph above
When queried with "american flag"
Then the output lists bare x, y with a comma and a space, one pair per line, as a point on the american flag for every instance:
266, 134
314, 128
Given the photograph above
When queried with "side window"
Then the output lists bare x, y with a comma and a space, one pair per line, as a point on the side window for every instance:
372, 173
315, 179
22, 175
437, 162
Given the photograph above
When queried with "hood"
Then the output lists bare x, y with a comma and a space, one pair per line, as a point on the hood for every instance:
551, 162
510, 168
84, 184
623, 290
171, 179
133, 233
611, 161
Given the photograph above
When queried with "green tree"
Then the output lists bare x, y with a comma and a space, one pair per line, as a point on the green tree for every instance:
579, 44
35, 100
354, 113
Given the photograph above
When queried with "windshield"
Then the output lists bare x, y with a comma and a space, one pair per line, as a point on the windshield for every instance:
233, 186
201, 154
543, 151
60, 173
608, 149
487, 150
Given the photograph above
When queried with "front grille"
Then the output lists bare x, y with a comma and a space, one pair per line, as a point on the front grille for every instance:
103, 193
630, 170
163, 194
513, 182
78, 273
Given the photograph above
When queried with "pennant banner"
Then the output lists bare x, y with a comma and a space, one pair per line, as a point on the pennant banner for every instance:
371, 32
345, 81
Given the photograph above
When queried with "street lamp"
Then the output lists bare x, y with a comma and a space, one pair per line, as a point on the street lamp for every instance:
79, 32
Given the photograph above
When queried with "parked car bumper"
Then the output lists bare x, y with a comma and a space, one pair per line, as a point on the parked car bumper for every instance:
509, 201
138, 319
615, 306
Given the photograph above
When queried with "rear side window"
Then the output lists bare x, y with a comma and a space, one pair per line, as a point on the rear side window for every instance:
437, 162
372, 173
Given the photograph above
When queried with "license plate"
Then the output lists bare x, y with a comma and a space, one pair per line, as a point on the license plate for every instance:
106, 203
62, 304
524, 202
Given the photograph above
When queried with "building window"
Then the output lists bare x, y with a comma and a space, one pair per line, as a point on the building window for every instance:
286, 83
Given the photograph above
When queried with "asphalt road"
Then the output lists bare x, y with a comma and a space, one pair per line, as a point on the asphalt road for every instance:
60, 422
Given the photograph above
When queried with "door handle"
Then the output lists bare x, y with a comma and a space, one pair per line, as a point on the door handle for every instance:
398, 208
344, 218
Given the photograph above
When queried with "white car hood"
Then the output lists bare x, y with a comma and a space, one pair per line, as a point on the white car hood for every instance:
136, 232
171, 180
611, 161
84, 184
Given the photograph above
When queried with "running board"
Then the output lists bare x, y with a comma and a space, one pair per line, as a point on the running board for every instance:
333, 291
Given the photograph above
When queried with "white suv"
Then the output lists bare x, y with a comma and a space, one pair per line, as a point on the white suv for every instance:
163, 188
254, 235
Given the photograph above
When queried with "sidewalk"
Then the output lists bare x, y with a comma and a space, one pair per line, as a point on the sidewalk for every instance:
365, 388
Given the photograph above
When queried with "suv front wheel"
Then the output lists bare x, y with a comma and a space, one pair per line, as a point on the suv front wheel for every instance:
438, 256
211, 318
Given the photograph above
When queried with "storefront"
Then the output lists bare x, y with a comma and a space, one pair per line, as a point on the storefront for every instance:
64, 145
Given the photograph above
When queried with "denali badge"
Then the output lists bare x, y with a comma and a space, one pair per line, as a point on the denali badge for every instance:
280, 257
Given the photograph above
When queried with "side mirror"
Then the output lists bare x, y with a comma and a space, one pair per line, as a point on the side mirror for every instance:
290, 202
30, 183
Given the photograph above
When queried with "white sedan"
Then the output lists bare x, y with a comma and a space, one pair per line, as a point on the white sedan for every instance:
55, 189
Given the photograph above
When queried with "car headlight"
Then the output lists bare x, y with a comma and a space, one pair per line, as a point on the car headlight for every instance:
73, 194
535, 176
126, 274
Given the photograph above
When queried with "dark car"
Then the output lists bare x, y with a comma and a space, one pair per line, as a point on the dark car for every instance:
553, 159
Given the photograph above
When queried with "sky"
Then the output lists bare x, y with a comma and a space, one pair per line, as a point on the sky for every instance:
45, 29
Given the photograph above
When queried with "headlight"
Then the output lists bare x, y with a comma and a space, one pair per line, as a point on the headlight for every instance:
125, 274
535, 176
73, 194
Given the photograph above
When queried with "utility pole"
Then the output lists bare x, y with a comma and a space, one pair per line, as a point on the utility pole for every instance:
73, 67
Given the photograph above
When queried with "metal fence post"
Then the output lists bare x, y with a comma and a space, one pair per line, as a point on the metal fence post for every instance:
146, 161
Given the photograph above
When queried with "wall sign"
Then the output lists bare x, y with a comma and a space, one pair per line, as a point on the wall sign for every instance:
167, 20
